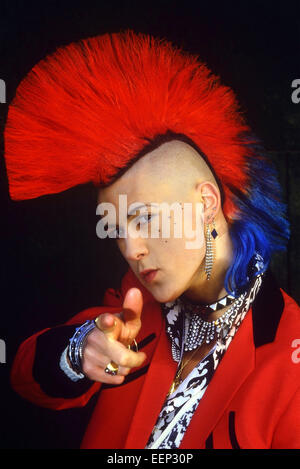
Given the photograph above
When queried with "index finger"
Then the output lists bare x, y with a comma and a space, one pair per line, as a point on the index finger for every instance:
132, 305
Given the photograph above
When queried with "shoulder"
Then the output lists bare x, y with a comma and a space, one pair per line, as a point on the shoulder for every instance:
276, 332
287, 338
290, 320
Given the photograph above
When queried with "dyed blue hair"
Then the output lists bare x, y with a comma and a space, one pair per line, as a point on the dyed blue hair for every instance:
261, 226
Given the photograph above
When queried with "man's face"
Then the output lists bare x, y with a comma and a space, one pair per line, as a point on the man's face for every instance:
169, 174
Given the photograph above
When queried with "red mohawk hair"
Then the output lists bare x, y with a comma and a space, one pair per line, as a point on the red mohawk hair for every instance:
87, 110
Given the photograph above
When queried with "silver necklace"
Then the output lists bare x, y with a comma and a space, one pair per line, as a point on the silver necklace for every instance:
200, 331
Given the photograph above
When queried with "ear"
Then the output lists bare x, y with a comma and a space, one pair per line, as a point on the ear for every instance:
209, 195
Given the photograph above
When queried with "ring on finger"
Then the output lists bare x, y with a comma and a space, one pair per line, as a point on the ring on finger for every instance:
112, 368
133, 344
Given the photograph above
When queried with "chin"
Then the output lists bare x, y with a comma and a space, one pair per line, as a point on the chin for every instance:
163, 296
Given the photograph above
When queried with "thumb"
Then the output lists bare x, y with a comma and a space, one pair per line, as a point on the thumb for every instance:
110, 324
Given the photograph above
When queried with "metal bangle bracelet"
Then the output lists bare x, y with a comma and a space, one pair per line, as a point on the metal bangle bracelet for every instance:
75, 349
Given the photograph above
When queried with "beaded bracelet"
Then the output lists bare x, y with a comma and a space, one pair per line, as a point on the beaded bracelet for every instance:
76, 344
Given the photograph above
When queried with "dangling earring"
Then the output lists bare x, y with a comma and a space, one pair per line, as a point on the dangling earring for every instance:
211, 234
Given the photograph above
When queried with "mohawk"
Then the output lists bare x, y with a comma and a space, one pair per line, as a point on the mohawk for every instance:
86, 111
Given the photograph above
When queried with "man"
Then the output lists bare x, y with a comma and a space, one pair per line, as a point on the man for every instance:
195, 350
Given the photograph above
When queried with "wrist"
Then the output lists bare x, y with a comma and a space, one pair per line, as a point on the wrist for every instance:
76, 345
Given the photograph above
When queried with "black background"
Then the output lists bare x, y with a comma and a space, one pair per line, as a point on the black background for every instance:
52, 264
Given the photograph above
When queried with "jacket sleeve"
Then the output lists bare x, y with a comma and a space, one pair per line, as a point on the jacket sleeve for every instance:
36, 374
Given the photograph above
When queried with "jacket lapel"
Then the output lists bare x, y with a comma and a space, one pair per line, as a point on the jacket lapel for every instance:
235, 366
156, 385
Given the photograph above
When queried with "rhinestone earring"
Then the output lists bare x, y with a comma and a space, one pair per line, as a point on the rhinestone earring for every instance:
211, 234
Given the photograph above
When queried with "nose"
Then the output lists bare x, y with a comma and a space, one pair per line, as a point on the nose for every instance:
135, 248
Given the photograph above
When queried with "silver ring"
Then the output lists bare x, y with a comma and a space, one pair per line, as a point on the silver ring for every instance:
133, 346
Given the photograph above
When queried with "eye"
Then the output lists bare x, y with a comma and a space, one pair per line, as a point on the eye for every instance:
145, 218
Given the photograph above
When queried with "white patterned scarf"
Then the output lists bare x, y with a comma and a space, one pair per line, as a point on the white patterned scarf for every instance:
179, 407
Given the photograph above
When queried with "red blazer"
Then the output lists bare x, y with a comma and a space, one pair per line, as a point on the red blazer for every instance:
252, 401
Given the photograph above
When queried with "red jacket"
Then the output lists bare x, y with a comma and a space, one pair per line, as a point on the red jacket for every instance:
252, 401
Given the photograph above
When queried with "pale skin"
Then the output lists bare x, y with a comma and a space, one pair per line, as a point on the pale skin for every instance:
172, 172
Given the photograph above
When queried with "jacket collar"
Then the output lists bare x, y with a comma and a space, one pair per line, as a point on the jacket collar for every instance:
267, 310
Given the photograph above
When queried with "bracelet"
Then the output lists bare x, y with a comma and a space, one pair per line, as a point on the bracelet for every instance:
75, 350
65, 367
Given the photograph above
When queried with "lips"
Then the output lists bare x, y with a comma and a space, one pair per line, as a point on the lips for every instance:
148, 275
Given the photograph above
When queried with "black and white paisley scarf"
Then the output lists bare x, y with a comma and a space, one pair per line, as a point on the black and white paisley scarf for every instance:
179, 407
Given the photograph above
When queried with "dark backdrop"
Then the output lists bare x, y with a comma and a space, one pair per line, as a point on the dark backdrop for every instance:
52, 264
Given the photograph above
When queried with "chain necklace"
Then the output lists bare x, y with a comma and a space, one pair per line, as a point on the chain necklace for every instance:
177, 380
